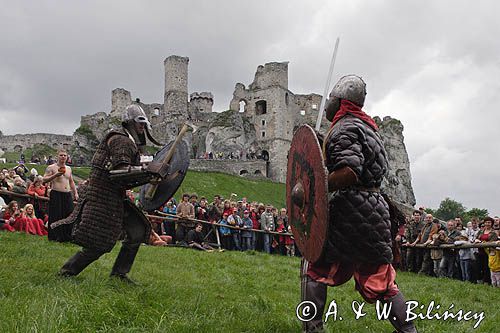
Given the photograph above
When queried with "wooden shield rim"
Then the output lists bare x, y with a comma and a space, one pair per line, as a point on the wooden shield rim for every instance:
305, 149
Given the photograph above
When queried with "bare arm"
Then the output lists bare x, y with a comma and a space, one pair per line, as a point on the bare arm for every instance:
50, 175
72, 185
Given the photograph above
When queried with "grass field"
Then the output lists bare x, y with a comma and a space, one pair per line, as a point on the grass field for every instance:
182, 290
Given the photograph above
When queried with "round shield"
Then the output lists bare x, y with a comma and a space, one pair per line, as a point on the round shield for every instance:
177, 169
307, 193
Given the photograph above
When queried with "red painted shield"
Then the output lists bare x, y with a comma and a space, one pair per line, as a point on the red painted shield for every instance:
307, 193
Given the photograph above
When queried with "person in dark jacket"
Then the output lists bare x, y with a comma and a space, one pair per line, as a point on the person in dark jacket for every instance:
359, 239
105, 212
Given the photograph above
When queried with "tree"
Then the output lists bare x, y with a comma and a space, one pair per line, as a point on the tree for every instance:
475, 212
449, 209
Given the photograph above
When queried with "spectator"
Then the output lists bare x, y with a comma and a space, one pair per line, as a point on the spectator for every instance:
437, 254
235, 220
466, 256
280, 240
21, 171
413, 255
267, 224
4, 222
33, 174
195, 239
227, 207
169, 224
215, 209
28, 213
246, 234
20, 187
485, 235
494, 266
60, 177
425, 238
157, 240
472, 232
4, 185
38, 190
448, 261
255, 217
14, 217
225, 232
193, 199
185, 212
290, 244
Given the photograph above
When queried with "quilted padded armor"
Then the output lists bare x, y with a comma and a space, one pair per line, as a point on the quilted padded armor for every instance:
103, 209
360, 224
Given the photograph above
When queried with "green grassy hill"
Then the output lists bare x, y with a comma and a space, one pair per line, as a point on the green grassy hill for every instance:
183, 290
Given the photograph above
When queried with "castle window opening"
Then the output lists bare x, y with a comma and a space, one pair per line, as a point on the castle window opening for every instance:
263, 134
263, 122
243, 105
258, 172
302, 112
314, 106
265, 155
286, 99
156, 112
260, 107
243, 172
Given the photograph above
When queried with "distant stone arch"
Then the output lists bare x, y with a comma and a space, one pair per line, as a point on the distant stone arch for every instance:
258, 173
260, 107
242, 106
18, 148
243, 172
265, 155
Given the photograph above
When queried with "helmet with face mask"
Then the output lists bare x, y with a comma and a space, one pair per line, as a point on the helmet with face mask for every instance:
349, 87
134, 114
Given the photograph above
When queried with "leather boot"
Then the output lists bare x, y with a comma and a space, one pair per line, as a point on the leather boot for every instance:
397, 315
314, 292
79, 262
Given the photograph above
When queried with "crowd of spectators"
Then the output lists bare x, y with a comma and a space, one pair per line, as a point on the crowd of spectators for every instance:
236, 155
237, 225
476, 265
22, 181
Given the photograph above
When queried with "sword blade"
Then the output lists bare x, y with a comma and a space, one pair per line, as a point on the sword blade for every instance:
327, 86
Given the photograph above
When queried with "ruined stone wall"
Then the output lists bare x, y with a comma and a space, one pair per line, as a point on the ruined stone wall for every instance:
18, 142
271, 74
278, 157
120, 99
310, 105
176, 86
254, 168
200, 103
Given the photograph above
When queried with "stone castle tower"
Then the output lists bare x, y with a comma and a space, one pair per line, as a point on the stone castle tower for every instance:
275, 113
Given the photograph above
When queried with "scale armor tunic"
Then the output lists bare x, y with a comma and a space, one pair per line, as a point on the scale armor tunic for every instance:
100, 215
360, 224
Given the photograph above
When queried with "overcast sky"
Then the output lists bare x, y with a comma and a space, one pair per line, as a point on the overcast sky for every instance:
435, 65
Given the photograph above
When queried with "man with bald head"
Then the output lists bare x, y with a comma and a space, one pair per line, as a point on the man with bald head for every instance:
425, 237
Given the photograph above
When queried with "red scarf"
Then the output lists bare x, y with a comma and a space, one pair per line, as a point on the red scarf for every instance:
348, 107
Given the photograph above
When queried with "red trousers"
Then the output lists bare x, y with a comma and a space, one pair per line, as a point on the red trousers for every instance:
373, 282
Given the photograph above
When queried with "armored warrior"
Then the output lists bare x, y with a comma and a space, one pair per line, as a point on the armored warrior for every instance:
104, 212
359, 235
